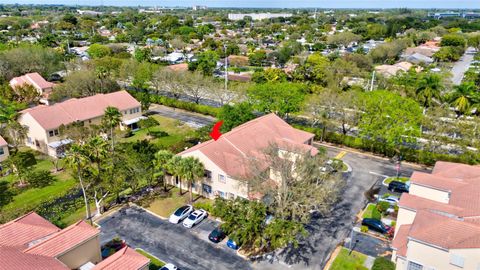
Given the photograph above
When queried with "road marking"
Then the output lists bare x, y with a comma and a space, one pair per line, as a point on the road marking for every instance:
341, 155
383, 175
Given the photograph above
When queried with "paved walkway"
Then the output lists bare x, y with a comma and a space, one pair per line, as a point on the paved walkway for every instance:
462, 65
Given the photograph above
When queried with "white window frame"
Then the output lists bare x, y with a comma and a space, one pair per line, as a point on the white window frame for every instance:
411, 265
222, 178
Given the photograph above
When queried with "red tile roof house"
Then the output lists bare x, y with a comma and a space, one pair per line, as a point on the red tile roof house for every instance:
44, 122
229, 159
3, 149
31, 242
43, 87
438, 224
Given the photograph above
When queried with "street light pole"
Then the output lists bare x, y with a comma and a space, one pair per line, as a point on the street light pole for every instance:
226, 67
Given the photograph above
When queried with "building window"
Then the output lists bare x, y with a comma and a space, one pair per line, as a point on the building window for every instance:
207, 174
221, 194
206, 188
221, 178
52, 133
457, 260
134, 110
414, 266
29, 140
2, 151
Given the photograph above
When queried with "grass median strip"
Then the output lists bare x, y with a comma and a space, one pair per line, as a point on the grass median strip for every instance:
155, 263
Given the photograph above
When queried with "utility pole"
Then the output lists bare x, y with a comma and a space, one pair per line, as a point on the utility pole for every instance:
226, 67
373, 80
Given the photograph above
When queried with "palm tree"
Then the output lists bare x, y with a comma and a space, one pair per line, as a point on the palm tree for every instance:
429, 88
191, 169
76, 160
96, 149
160, 162
465, 98
112, 119
174, 167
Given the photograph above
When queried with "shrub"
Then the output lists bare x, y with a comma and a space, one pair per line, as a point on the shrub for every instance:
39, 179
382, 207
206, 205
382, 263
158, 134
376, 214
364, 229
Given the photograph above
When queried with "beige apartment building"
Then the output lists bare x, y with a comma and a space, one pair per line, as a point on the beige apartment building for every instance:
3, 149
438, 225
32, 242
44, 122
229, 159
43, 87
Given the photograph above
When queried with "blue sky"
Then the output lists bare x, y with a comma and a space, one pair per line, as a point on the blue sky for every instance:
270, 3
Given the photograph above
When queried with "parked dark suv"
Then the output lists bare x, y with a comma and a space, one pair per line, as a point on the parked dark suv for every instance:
397, 186
216, 235
376, 225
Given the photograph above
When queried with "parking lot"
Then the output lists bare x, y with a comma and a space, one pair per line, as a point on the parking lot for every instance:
172, 243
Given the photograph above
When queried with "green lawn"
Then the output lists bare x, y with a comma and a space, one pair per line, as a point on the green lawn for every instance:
368, 211
401, 179
155, 263
165, 206
78, 215
177, 131
344, 261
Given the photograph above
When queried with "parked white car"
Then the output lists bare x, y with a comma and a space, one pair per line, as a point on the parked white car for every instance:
169, 266
180, 214
392, 200
194, 218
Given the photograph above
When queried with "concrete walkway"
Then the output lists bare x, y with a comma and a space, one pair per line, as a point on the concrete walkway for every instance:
462, 65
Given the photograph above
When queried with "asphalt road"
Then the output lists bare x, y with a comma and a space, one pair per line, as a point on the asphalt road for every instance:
326, 232
172, 243
462, 65
192, 119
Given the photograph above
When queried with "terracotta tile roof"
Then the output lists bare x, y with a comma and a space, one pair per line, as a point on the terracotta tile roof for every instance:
455, 170
69, 111
33, 79
415, 203
14, 259
436, 181
64, 240
20, 232
178, 67
125, 259
234, 150
444, 230
2, 141
400, 241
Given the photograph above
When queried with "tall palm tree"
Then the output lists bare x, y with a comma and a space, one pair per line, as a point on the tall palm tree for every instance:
111, 119
160, 162
76, 160
191, 169
96, 149
429, 88
465, 98
174, 167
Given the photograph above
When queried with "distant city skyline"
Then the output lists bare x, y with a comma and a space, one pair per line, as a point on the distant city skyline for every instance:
440, 4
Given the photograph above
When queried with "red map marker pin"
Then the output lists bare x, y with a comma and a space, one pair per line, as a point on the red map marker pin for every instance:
215, 134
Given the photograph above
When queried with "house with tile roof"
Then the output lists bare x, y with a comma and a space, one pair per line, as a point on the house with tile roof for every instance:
32, 242
229, 159
43, 87
3, 149
44, 122
438, 224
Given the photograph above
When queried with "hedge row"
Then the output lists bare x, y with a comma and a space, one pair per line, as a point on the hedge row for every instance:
408, 154
175, 103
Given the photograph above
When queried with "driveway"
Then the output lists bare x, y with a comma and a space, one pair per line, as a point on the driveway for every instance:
194, 120
367, 244
326, 232
172, 243
462, 65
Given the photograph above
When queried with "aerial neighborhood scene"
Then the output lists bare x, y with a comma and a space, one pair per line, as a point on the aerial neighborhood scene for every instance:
266, 135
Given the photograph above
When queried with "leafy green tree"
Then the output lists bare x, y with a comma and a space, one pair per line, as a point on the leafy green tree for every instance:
453, 40
257, 58
148, 123
142, 55
174, 167
98, 51
77, 161
465, 98
206, 62
110, 120
143, 74
429, 88
390, 119
269, 75
96, 149
235, 115
161, 162
474, 41
343, 38
21, 164
191, 170
280, 98
279, 233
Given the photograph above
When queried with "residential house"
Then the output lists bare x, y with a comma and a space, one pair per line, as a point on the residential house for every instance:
3, 149
438, 225
32, 242
229, 159
43, 87
44, 122
392, 70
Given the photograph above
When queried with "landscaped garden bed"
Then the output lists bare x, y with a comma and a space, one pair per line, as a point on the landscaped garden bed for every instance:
402, 179
345, 260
